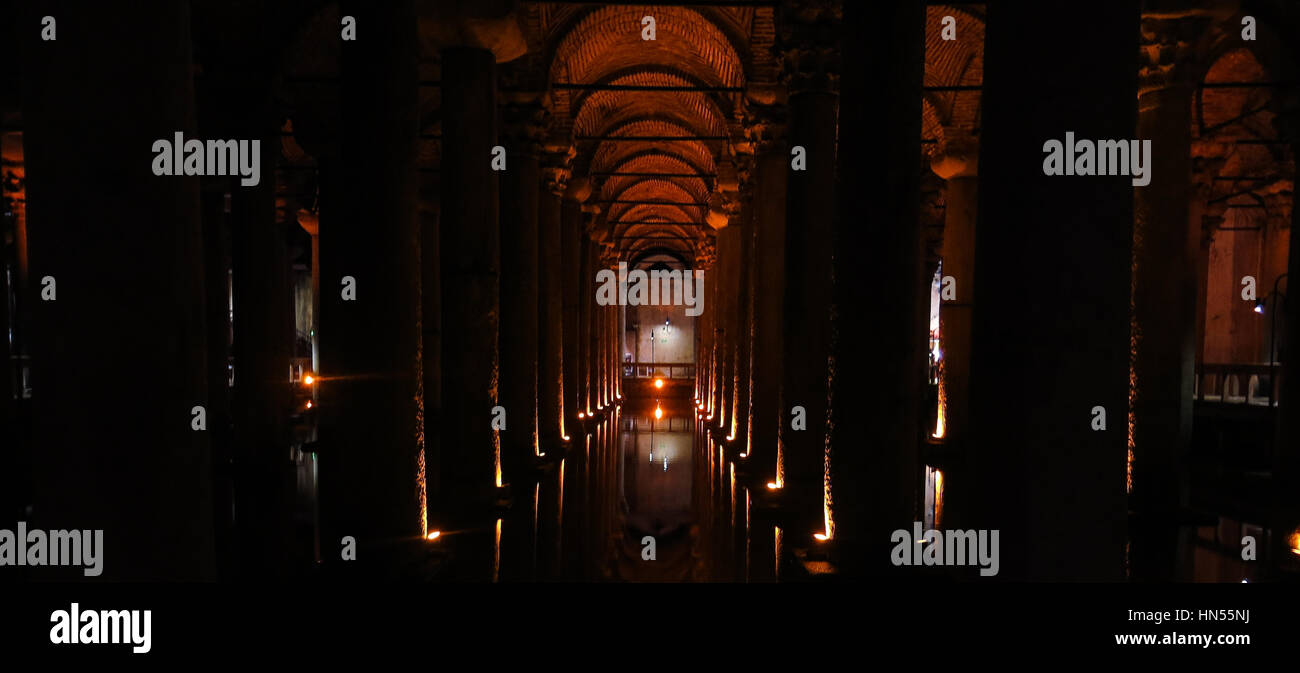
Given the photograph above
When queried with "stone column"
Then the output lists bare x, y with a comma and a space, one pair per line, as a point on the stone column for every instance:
571, 242
769, 292
810, 217
119, 353
586, 299
551, 296
470, 268
1165, 250
1049, 482
519, 291
881, 291
240, 99
368, 408
959, 166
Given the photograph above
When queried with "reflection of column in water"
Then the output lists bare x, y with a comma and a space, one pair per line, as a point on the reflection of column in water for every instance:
496, 555
776, 558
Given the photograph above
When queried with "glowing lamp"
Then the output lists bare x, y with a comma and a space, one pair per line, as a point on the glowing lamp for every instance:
821, 537
308, 404
659, 383
659, 413
308, 379
581, 415
433, 535
772, 486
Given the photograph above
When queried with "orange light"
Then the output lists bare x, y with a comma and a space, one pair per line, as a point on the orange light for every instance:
1295, 543
659, 383
566, 438
772, 486
581, 415
433, 535
308, 404
731, 437
821, 537
659, 413
308, 379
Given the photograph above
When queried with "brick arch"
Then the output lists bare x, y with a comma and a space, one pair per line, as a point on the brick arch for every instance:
595, 112
691, 49
601, 155
653, 190
957, 62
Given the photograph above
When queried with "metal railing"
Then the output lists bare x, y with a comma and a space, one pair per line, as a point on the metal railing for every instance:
1254, 384
649, 370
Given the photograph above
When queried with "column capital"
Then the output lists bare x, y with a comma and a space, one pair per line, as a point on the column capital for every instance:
958, 158
706, 253
523, 121
557, 163
807, 45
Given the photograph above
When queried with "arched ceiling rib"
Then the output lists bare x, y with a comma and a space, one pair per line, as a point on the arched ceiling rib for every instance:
615, 101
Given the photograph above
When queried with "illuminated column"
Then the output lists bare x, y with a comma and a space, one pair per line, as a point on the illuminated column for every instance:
369, 263
470, 267
745, 316
571, 242
551, 297
116, 451
1165, 250
958, 165
519, 280
1051, 483
961, 196
769, 290
810, 215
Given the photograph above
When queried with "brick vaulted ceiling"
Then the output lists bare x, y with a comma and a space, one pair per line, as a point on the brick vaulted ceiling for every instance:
710, 49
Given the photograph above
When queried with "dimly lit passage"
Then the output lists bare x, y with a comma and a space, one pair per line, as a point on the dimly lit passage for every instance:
514, 291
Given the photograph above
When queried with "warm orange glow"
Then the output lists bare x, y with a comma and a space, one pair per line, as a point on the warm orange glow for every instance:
772, 486
308, 379
581, 415
731, 437
659, 413
496, 556
565, 438
308, 404
433, 535
941, 416
938, 498
1294, 541
659, 383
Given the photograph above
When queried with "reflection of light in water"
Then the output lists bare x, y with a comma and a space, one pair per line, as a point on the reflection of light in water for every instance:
938, 498
496, 555
777, 550
665, 464
659, 413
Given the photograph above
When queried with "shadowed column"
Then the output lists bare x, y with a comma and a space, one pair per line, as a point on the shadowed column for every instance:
1051, 483
118, 450
880, 289
369, 240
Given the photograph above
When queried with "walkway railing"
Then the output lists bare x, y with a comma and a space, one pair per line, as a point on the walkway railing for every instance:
649, 370
1254, 384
